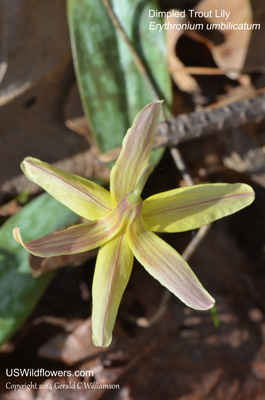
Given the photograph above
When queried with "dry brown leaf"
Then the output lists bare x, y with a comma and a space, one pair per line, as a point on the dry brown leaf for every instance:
38, 130
182, 79
71, 348
80, 125
40, 265
245, 155
9, 208
74, 116
231, 54
34, 36
68, 324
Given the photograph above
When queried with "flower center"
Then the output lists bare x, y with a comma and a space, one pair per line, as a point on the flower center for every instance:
134, 197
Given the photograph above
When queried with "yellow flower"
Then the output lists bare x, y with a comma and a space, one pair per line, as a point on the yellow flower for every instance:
123, 226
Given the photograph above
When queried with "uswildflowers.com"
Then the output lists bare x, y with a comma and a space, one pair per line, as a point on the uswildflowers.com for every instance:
41, 372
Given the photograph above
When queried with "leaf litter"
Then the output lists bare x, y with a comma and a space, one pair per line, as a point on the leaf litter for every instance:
183, 356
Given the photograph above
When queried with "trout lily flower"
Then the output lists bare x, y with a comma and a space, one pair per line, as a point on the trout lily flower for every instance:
122, 225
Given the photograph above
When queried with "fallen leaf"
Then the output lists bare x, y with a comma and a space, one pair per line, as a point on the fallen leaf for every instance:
39, 131
71, 348
34, 36
245, 155
40, 265
231, 54
183, 79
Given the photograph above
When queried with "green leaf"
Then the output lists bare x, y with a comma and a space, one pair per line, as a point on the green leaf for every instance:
112, 89
19, 290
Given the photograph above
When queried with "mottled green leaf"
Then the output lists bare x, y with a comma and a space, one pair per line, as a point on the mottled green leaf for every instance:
19, 290
112, 89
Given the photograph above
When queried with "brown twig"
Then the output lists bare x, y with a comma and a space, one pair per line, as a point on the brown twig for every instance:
217, 71
181, 165
185, 127
194, 243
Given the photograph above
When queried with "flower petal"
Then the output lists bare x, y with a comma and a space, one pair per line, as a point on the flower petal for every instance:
191, 207
80, 237
135, 153
85, 198
112, 272
166, 265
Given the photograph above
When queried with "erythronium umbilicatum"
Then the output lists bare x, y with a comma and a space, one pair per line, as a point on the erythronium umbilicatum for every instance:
122, 225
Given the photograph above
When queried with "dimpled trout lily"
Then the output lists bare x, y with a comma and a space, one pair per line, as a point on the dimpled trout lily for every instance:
122, 225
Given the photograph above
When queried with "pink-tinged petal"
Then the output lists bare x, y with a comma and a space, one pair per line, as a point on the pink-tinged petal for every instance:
191, 207
166, 265
135, 153
112, 273
78, 238
85, 198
